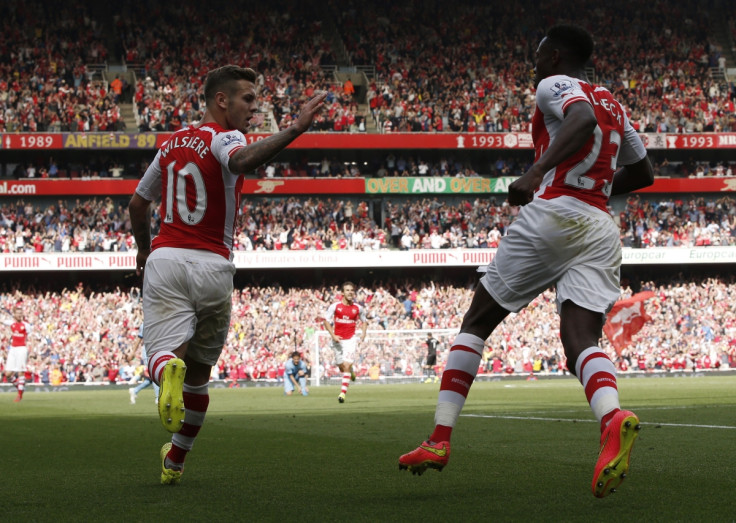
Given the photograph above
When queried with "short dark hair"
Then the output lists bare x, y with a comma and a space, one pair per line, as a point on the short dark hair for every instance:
345, 284
296, 353
222, 78
577, 41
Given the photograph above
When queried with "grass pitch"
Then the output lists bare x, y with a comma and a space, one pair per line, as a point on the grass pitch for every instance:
522, 451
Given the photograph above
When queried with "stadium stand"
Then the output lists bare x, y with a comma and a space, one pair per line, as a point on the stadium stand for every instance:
413, 67
88, 332
445, 74
326, 223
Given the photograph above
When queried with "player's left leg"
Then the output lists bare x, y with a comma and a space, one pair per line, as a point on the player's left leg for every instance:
196, 401
19, 381
580, 331
169, 371
288, 386
303, 385
344, 357
15, 366
21, 385
482, 317
345, 367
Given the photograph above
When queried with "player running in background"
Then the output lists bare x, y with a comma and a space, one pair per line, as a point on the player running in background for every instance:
17, 361
431, 360
340, 321
145, 377
564, 237
188, 277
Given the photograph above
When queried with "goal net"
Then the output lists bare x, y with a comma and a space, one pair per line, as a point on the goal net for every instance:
384, 354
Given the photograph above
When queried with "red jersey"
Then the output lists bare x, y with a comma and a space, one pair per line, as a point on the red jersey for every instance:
199, 195
588, 174
19, 333
345, 318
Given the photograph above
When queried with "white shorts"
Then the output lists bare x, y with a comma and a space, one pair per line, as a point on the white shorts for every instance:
187, 296
345, 350
562, 242
17, 359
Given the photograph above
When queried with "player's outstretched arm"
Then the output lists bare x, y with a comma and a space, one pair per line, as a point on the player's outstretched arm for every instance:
258, 153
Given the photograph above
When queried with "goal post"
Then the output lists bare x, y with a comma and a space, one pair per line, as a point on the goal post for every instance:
385, 348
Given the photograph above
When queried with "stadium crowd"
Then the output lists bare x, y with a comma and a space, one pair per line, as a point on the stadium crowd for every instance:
435, 71
337, 223
445, 74
46, 83
282, 41
86, 335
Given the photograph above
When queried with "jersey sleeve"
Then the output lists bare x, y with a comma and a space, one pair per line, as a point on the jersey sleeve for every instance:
556, 93
329, 314
150, 185
225, 144
632, 148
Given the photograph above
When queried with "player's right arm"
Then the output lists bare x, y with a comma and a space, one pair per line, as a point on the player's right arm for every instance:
139, 209
327, 325
576, 129
248, 158
140, 220
289, 371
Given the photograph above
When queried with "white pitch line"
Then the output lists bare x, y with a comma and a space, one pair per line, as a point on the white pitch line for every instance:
536, 418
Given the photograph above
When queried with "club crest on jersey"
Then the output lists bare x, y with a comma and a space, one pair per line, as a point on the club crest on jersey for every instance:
231, 138
560, 87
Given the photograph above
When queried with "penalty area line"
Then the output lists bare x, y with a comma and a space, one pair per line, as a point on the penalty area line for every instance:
648, 423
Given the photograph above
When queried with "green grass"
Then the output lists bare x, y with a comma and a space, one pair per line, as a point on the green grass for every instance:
526, 454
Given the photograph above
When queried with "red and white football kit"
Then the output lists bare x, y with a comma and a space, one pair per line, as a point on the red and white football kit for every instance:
190, 259
345, 319
566, 237
199, 195
18, 352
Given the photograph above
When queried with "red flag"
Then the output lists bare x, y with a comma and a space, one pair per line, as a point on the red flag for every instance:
626, 318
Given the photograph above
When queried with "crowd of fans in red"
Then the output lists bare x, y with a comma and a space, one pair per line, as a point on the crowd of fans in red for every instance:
435, 69
45, 79
337, 223
452, 73
83, 335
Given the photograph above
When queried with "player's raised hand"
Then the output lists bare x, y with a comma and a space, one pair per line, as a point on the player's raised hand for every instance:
308, 111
